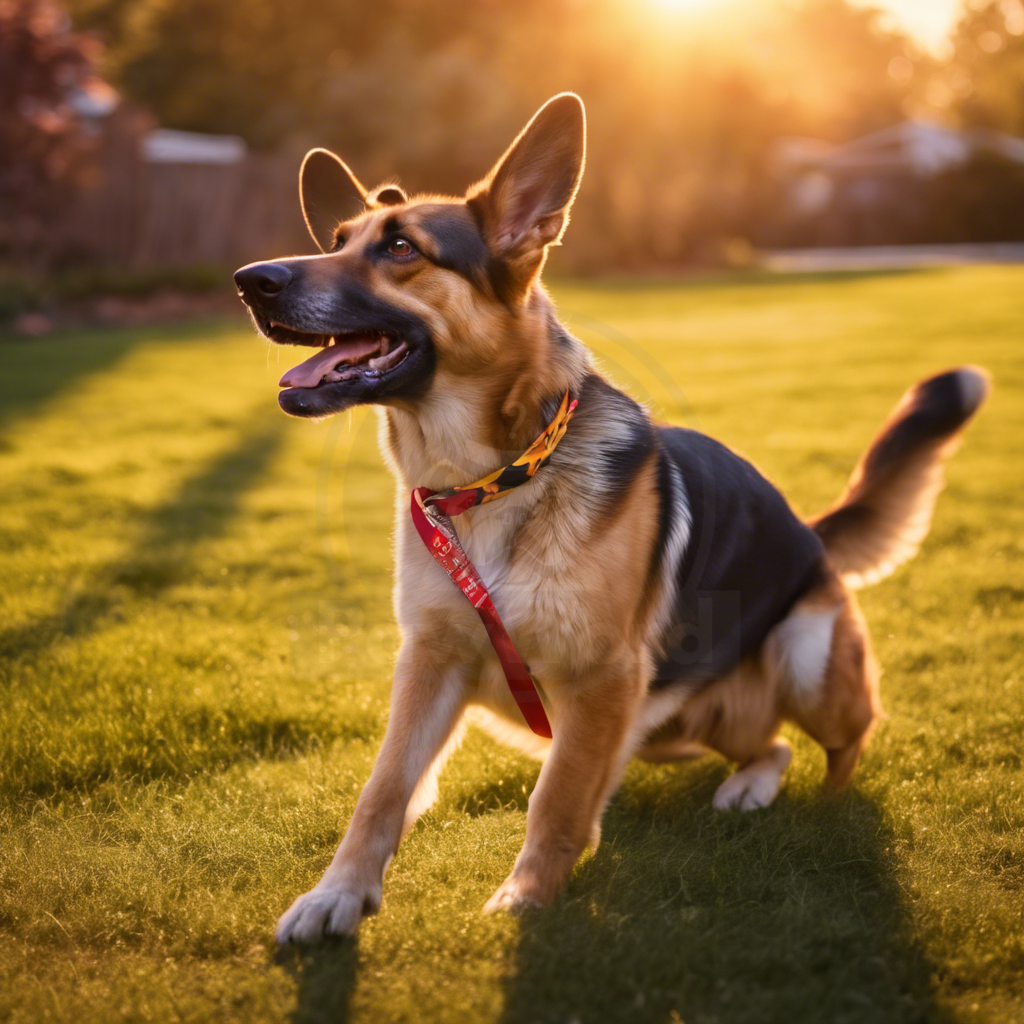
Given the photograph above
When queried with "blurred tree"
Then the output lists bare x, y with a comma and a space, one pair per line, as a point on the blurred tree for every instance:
984, 80
261, 68
43, 146
981, 86
685, 105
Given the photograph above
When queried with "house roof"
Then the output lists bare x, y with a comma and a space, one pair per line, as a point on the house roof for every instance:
923, 147
166, 146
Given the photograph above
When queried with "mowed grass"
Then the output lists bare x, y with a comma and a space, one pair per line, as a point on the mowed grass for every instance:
196, 639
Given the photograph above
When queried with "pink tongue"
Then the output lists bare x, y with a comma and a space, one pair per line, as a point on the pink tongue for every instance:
311, 372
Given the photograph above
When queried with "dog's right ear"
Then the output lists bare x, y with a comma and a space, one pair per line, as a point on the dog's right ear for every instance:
327, 192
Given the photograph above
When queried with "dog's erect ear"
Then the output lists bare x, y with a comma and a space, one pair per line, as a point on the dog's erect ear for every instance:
328, 191
523, 204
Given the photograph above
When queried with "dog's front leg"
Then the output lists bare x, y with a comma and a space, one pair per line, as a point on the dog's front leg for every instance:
427, 700
593, 737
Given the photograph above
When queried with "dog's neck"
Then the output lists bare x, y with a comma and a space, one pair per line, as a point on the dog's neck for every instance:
469, 425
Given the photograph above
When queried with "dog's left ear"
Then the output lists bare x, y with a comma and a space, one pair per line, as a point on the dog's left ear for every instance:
328, 192
523, 204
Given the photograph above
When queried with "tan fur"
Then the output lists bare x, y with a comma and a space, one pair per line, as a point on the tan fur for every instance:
886, 510
586, 759
848, 703
905, 517
739, 716
574, 577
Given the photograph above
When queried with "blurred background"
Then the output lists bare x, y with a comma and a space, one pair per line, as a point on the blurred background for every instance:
154, 144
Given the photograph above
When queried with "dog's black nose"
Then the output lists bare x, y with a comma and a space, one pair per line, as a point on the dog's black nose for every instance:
263, 280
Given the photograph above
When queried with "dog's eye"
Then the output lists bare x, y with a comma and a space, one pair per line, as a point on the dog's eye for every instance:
401, 247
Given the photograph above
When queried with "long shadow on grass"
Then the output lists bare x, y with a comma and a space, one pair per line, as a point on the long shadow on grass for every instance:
791, 914
161, 556
40, 369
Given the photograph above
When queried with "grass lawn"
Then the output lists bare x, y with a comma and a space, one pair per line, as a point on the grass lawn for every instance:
195, 645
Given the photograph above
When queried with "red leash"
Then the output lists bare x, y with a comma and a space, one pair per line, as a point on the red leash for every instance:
435, 527
432, 516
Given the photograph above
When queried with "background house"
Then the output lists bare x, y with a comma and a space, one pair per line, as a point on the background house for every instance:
915, 181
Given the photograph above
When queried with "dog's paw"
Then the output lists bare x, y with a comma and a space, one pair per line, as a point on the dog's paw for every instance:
324, 911
742, 792
513, 896
757, 785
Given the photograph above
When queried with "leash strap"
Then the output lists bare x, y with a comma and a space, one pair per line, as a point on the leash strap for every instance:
432, 516
437, 532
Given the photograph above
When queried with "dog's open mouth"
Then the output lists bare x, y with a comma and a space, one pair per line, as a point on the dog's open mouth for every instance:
341, 357
388, 359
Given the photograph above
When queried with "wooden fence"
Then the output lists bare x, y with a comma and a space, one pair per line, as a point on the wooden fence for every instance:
138, 214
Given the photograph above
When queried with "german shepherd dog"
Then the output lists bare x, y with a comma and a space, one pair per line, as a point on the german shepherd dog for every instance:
661, 590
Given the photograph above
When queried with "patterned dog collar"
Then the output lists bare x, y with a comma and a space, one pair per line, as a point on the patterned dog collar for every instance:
457, 499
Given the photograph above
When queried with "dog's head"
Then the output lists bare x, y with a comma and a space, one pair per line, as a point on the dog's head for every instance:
410, 293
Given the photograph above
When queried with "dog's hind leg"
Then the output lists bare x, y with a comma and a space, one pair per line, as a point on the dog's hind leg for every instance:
425, 795
738, 716
841, 706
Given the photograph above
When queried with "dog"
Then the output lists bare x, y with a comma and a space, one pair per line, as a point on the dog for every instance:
660, 589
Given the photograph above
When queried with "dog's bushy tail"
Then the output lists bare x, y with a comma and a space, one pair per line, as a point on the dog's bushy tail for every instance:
886, 510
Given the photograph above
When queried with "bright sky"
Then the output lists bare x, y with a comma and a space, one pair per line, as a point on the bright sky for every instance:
928, 21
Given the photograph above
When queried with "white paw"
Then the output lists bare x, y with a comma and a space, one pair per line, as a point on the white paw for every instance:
755, 786
326, 910
741, 792
512, 896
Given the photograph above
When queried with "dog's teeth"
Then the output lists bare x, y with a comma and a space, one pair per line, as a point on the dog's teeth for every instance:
393, 358
385, 343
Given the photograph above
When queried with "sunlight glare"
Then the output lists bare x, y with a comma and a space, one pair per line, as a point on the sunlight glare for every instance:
684, 5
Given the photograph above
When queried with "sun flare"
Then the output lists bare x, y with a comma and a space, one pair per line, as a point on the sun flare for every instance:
684, 5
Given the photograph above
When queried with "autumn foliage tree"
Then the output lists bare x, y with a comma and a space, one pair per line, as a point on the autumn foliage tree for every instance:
43, 146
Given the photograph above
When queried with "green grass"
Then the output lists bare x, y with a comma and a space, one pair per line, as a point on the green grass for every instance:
196, 638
